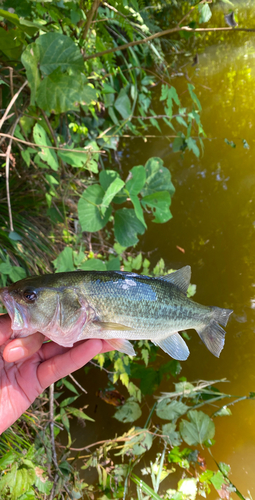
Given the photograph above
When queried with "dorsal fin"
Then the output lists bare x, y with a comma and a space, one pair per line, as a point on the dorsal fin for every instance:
180, 278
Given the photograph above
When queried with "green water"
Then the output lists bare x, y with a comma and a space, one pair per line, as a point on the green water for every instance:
214, 222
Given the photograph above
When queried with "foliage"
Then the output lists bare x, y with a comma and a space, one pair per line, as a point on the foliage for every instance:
74, 110
69, 205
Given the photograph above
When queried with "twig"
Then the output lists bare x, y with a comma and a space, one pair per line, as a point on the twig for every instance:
11, 86
7, 171
50, 127
116, 440
51, 147
77, 383
53, 448
163, 33
15, 97
101, 367
90, 16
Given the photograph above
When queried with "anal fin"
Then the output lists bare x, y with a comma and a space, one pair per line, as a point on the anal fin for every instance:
122, 345
174, 345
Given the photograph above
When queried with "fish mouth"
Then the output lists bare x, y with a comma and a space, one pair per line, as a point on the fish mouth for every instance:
19, 319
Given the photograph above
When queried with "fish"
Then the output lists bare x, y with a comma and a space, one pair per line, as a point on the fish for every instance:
116, 306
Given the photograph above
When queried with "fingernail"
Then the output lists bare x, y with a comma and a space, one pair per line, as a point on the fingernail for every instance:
15, 353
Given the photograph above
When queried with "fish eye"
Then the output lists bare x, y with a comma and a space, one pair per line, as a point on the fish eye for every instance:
29, 296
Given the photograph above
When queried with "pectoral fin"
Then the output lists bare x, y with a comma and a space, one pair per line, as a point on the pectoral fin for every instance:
122, 345
174, 345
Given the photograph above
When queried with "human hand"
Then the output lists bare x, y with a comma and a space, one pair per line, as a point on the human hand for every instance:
27, 367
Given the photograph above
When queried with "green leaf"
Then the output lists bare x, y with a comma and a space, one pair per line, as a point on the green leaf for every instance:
59, 51
46, 154
145, 488
64, 262
224, 468
69, 385
168, 409
193, 96
173, 436
79, 414
136, 180
68, 401
43, 486
126, 227
65, 419
123, 104
106, 177
29, 27
218, 480
30, 59
74, 159
138, 209
93, 265
181, 121
179, 143
60, 92
11, 43
200, 428
26, 156
113, 264
205, 13
24, 478
129, 412
7, 459
230, 143
110, 193
223, 412
159, 203
17, 273
158, 178
192, 146
107, 89
29, 495
14, 236
89, 213
140, 443
170, 95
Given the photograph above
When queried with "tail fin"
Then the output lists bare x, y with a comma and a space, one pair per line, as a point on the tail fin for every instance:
213, 335
221, 315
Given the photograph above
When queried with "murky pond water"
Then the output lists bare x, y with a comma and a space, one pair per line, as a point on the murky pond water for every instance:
214, 222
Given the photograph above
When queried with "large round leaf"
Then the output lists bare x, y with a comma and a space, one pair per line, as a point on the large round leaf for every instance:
90, 216
59, 51
200, 428
126, 227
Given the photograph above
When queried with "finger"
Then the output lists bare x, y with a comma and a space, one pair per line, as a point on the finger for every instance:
5, 328
22, 348
50, 349
61, 365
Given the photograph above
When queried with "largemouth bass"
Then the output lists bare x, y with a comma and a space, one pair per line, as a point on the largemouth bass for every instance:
115, 306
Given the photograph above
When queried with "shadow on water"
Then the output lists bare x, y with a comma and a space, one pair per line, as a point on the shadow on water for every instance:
214, 222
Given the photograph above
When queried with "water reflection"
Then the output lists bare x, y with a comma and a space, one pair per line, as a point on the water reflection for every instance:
214, 222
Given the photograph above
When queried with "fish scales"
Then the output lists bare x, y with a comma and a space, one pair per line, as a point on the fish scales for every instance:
115, 306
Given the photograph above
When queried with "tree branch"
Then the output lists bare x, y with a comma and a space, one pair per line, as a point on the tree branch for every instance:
90, 16
163, 33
